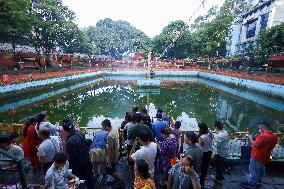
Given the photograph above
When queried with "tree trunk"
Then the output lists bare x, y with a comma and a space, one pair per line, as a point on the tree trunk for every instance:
14, 48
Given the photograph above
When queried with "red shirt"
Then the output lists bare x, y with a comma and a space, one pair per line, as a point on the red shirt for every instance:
263, 145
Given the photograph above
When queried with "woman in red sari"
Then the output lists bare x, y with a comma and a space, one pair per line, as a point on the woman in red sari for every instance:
34, 141
26, 142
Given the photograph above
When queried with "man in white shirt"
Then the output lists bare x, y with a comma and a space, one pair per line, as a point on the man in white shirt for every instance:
48, 148
221, 141
147, 152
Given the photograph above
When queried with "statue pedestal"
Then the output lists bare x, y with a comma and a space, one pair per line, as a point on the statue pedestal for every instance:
148, 82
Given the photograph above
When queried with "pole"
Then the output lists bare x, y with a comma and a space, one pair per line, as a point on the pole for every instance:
148, 103
149, 64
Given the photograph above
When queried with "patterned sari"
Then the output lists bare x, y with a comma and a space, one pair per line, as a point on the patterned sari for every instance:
144, 184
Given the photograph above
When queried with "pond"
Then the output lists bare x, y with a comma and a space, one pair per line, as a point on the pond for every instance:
181, 97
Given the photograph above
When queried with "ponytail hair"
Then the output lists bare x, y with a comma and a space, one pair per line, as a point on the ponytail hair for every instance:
26, 127
40, 118
203, 129
166, 130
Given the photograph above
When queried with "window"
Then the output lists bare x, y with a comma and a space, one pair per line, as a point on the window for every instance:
264, 20
251, 26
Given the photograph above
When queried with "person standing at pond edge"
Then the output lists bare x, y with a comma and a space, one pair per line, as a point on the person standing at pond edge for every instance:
167, 152
221, 142
98, 154
147, 152
112, 151
34, 142
260, 155
48, 148
194, 150
43, 123
158, 125
78, 154
205, 141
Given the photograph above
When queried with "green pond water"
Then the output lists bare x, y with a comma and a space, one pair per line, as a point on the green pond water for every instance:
182, 98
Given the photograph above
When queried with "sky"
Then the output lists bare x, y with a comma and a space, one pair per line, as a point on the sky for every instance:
149, 16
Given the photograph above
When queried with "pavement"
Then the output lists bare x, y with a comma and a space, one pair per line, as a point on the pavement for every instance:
236, 172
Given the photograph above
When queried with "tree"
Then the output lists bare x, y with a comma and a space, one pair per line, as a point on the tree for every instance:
174, 41
72, 39
15, 22
50, 19
271, 40
210, 31
116, 37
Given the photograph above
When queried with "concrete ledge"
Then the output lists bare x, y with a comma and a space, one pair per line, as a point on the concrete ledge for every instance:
268, 88
22, 86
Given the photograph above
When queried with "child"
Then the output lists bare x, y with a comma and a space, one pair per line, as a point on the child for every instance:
143, 179
182, 175
58, 174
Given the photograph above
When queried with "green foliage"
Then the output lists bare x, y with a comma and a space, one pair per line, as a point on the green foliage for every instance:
211, 31
207, 36
271, 41
14, 21
114, 38
72, 39
14, 17
49, 24
51, 18
174, 41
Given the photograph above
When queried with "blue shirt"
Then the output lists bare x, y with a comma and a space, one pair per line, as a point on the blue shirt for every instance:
57, 179
180, 179
100, 139
157, 125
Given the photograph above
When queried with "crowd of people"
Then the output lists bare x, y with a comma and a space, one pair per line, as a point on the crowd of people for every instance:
151, 146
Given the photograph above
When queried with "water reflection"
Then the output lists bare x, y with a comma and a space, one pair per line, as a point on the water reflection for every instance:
183, 99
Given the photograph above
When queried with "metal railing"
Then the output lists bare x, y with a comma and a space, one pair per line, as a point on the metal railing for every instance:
12, 172
240, 139
237, 140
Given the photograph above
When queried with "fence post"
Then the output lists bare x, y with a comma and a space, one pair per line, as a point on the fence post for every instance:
22, 174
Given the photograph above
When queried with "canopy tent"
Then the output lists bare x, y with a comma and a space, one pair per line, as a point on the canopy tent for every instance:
137, 56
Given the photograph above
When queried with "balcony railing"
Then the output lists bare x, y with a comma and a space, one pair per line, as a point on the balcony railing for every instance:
12, 172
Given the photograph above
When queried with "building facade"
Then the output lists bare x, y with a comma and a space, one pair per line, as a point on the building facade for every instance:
245, 29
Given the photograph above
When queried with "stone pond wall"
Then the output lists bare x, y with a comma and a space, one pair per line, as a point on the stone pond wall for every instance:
268, 88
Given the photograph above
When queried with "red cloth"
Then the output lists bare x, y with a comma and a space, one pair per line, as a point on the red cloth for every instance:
6, 79
34, 141
26, 145
263, 145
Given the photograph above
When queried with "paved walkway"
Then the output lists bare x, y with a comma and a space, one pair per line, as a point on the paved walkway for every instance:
274, 178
